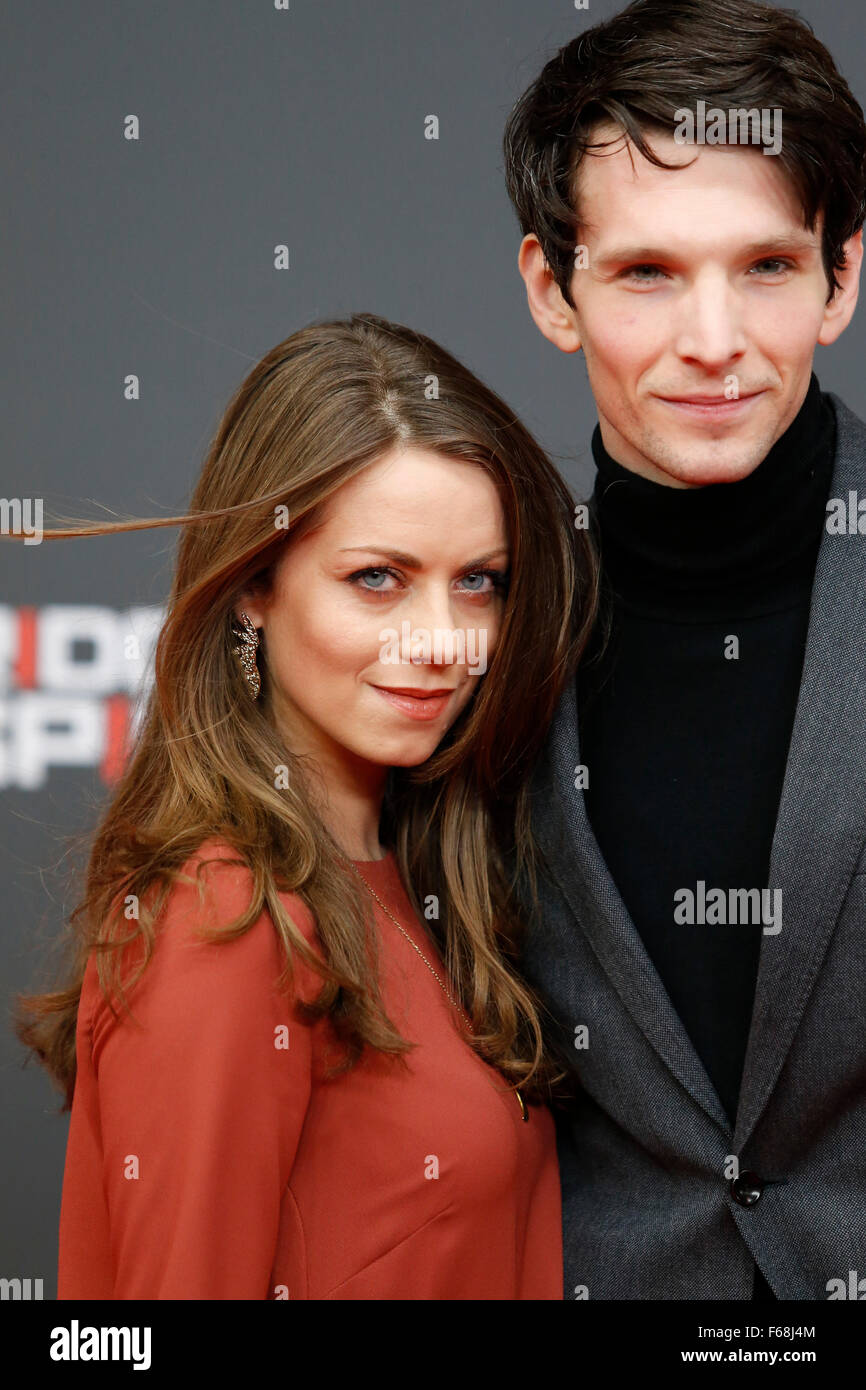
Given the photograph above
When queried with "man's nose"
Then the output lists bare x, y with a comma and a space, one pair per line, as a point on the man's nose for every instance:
711, 324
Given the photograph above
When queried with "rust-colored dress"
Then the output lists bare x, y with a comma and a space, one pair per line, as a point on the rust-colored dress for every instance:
208, 1158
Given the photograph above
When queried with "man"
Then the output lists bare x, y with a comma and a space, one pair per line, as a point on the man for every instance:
700, 930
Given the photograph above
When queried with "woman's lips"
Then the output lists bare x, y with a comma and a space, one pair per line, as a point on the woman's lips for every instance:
417, 705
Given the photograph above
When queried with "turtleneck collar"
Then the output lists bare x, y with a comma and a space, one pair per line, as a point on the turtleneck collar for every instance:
749, 545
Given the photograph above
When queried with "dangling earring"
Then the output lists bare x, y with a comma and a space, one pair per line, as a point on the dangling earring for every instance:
246, 653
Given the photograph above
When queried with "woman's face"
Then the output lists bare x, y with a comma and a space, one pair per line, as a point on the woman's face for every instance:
399, 588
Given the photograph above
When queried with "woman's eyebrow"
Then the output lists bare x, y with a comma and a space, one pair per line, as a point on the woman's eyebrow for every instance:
411, 561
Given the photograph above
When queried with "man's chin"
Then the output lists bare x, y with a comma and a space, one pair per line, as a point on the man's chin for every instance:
687, 461
692, 458
704, 454
707, 473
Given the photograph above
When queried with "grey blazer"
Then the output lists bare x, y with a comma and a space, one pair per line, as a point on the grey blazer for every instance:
650, 1206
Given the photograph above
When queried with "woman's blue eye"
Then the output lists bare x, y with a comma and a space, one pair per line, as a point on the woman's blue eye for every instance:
382, 574
497, 579
372, 580
377, 574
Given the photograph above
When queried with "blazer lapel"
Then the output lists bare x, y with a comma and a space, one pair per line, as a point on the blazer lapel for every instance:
562, 831
822, 812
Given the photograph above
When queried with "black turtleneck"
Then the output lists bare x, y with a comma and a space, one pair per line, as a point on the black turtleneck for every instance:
685, 748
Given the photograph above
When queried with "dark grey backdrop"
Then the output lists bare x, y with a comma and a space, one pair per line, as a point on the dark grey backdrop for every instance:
258, 127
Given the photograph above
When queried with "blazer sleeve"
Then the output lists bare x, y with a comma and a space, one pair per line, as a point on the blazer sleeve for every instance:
201, 1108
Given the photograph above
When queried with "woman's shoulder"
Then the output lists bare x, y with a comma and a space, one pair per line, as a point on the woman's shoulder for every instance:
200, 951
227, 884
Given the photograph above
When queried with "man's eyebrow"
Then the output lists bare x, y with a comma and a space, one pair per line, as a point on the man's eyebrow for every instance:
411, 561
791, 242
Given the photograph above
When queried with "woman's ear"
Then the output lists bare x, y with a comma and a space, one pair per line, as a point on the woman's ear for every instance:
256, 596
250, 602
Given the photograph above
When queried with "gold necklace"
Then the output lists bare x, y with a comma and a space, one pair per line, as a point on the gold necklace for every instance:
440, 982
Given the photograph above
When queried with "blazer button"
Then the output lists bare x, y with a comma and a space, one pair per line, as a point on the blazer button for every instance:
747, 1188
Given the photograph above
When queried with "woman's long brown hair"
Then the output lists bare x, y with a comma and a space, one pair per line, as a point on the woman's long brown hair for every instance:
314, 412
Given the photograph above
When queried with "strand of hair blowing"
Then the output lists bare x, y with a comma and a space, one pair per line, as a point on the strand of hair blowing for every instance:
316, 410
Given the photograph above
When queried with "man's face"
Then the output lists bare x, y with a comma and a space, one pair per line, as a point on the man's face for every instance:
701, 282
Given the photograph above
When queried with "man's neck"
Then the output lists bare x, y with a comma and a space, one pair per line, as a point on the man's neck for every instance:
696, 545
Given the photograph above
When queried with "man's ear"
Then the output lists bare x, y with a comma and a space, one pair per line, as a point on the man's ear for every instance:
840, 311
552, 315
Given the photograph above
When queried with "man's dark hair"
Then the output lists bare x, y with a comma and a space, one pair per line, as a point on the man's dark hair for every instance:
660, 56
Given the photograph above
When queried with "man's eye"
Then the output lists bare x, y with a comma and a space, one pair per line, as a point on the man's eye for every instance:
773, 260
635, 271
646, 274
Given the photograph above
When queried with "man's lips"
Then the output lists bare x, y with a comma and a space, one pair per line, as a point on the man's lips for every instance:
713, 410
711, 400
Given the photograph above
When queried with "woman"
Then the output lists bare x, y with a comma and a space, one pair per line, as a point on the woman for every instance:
300, 1060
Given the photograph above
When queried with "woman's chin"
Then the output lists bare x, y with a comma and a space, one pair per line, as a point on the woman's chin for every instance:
407, 752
